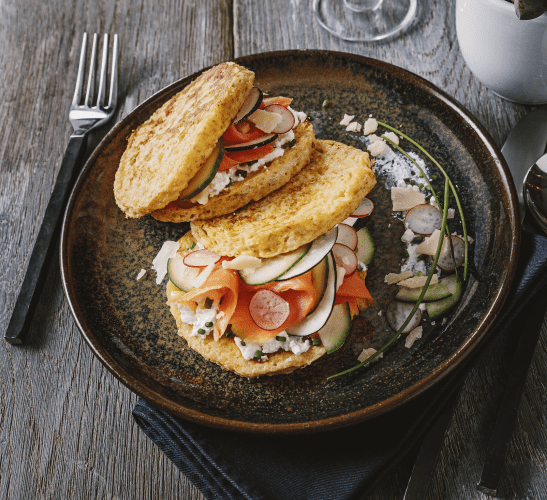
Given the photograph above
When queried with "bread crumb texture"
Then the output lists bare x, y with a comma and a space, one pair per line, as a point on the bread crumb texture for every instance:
323, 194
254, 187
166, 151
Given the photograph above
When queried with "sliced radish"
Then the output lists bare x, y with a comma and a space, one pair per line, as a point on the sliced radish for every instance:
445, 262
201, 258
256, 143
424, 219
398, 312
287, 118
268, 309
345, 257
250, 105
347, 236
365, 208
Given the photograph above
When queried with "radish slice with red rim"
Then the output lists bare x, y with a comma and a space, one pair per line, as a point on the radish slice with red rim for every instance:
268, 309
365, 208
347, 236
287, 118
261, 141
201, 258
424, 219
445, 262
397, 313
345, 257
250, 104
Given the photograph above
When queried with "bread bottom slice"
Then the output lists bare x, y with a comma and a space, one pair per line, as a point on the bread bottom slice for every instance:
225, 353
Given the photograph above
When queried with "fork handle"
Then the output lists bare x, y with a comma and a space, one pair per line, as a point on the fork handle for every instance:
43, 250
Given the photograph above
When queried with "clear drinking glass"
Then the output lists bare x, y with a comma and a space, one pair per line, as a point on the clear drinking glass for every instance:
364, 20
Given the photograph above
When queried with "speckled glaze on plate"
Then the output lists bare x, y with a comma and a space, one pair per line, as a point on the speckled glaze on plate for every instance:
128, 326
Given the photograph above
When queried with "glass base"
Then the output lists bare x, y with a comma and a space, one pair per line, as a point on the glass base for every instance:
388, 18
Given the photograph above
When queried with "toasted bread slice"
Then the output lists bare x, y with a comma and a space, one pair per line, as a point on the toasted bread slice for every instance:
166, 151
323, 194
254, 187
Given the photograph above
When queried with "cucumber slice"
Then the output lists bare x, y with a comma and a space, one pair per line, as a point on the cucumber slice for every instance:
250, 104
205, 174
365, 246
434, 292
320, 279
336, 330
272, 269
320, 247
316, 320
438, 308
180, 274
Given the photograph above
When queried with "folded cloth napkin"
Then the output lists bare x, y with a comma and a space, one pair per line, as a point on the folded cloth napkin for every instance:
341, 464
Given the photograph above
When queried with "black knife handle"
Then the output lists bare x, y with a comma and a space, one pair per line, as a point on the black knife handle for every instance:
41, 256
507, 413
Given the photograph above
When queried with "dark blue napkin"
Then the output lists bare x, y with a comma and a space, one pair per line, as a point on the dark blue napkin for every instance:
343, 464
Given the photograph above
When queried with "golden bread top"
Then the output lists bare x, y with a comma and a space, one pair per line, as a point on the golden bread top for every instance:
166, 151
323, 194
254, 187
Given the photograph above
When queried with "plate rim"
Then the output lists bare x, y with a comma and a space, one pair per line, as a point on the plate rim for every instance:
370, 412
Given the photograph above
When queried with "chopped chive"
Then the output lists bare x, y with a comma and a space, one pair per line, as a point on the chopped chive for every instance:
292, 143
209, 324
241, 173
192, 245
326, 103
417, 239
407, 254
428, 198
208, 303
412, 183
201, 331
434, 177
280, 339
412, 172
243, 343
428, 188
315, 341
406, 179
421, 186
258, 354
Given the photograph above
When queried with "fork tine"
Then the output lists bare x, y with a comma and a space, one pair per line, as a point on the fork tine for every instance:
113, 95
80, 78
102, 75
91, 77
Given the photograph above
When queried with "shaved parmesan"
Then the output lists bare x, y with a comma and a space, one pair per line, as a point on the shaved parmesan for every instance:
159, 264
242, 262
430, 244
354, 127
142, 272
405, 198
265, 120
418, 281
371, 126
347, 120
392, 137
201, 277
413, 336
393, 278
367, 353
377, 148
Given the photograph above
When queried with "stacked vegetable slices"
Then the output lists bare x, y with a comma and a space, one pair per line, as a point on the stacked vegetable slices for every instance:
251, 137
313, 291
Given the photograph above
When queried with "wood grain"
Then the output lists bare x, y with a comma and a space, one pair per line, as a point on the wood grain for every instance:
66, 429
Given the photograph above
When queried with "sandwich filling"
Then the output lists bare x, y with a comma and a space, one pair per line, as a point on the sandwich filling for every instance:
262, 318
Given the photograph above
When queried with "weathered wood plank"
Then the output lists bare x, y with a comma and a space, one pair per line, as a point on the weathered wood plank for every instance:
66, 429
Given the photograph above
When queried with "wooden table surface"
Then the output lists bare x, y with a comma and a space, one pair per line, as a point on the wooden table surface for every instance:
66, 429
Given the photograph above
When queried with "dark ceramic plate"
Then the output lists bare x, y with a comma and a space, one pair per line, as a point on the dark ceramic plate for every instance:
128, 326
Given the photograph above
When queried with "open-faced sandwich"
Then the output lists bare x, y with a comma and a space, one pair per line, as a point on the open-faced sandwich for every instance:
215, 146
274, 286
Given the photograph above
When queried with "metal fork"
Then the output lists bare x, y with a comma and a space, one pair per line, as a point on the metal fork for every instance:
83, 118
